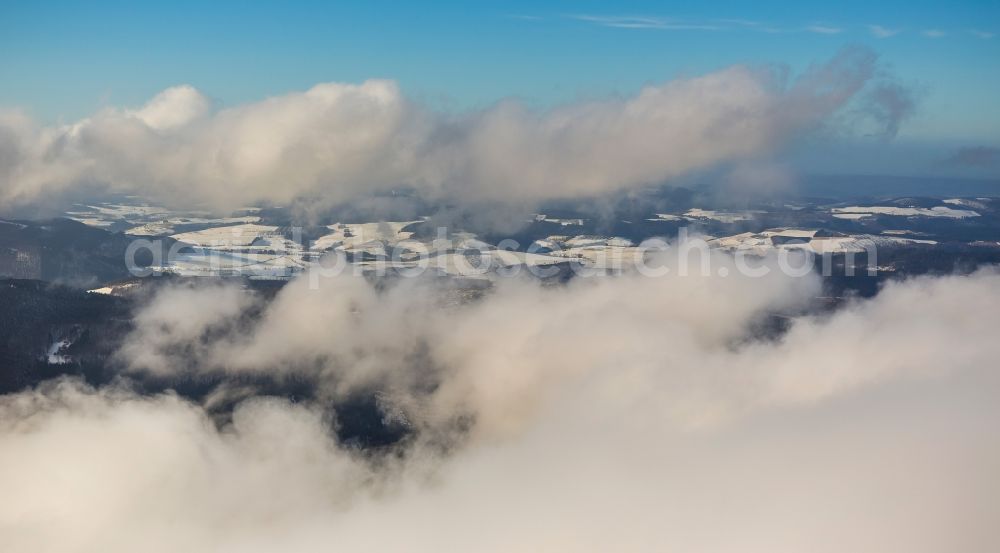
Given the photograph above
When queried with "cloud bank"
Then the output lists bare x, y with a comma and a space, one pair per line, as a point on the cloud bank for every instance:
625, 413
975, 156
337, 142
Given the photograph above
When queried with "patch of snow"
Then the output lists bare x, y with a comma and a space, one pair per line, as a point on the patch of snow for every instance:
720, 216
215, 262
350, 236
617, 242
151, 229
791, 232
852, 216
666, 217
762, 243
122, 211
52, 355
166, 226
545, 243
563, 222
936, 211
111, 289
92, 221
966, 203
584, 241
228, 236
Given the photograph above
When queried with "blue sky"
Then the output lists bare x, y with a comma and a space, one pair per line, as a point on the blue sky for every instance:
63, 60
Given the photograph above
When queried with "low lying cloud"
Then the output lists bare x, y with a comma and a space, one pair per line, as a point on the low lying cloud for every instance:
975, 156
337, 142
616, 413
488, 358
888, 104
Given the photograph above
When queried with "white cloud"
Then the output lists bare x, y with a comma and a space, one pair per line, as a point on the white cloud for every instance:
642, 22
610, 414
934, 33
338, 142
490, 352
824, 29
174, 107
504, 350
740, 22
879, 31
982, 34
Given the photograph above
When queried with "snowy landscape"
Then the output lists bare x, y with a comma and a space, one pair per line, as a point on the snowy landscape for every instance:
521, 277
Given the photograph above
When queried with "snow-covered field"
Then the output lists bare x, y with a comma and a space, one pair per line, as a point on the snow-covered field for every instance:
149, 220
167, 226
214, 262
225, 236
363, 236
858, 212
595, 252
241, 245
667, 217
978, 203
698, 214
805, 239
720, 216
